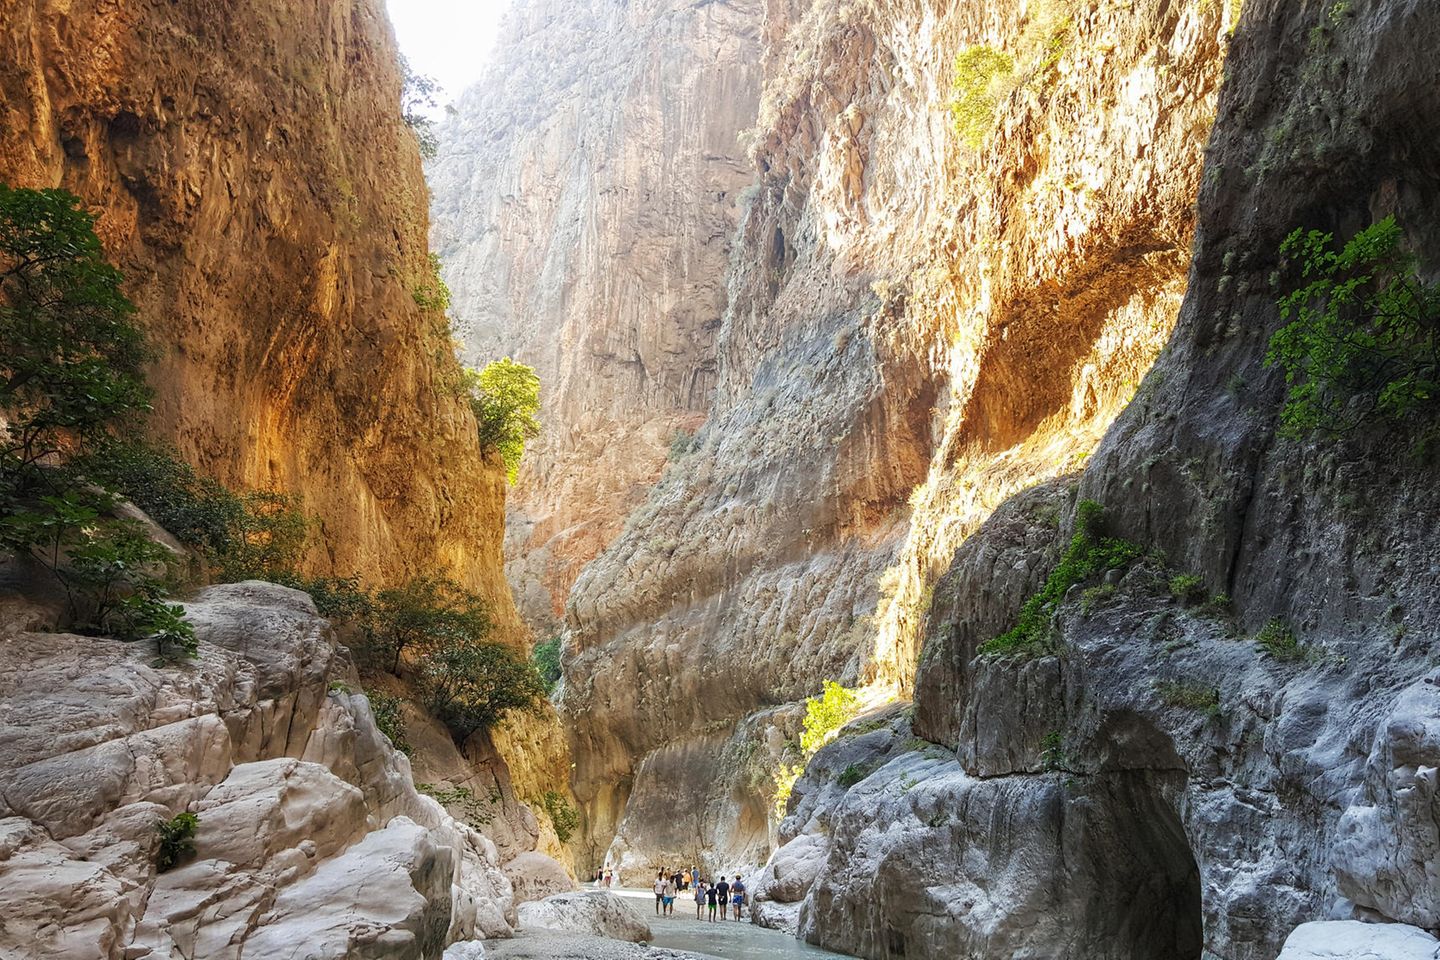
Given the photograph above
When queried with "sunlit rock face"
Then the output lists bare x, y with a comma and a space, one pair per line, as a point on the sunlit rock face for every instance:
916, 328
1164, 770
254, 181
585, 195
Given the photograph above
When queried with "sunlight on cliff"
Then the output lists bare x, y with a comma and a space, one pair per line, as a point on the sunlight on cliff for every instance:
967, 482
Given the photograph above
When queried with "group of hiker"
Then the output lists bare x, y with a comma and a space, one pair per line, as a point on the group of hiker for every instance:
723, 895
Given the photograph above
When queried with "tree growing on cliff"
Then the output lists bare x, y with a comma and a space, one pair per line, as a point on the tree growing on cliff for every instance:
70, 353
471, 684
505, 397
70, 377
1362, 343
418, 94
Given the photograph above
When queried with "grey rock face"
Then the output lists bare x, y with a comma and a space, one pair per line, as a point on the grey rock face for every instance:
312, 840
535, 876
1351, 940
589, 912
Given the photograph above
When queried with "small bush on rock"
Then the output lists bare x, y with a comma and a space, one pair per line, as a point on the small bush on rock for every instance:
563, 817
546, 657
1090, 554
1189, 696
851, 775
177, 840
389, 718
1279, 641
1187, 588
826, 714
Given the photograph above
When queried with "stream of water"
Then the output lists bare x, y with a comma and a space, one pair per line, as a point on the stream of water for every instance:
728, 940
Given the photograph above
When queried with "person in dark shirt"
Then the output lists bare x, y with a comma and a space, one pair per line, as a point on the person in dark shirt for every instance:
723, 889
710, 896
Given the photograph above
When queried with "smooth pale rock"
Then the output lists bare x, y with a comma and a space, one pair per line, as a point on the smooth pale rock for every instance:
271, 806
1353, 940
465, 950
535, 876
593, 913
335, 855
387, 895
788, 876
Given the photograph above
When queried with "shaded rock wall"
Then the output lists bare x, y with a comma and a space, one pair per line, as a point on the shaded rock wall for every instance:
585, 196
915, 330
255, 183
1299, 789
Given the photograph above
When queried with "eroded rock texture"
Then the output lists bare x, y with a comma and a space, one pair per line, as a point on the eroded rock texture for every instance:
1163, 760
255, 183
585, 197
915, 329
312, 840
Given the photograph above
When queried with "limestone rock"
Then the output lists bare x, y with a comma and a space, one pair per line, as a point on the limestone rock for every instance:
1352, 940
332, 855
592, 913
536, 876
273, 256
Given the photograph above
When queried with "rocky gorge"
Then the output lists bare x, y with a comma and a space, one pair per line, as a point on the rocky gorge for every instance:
955, 310
910, 360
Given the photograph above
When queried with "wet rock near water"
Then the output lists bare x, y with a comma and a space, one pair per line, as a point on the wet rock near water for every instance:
590, 912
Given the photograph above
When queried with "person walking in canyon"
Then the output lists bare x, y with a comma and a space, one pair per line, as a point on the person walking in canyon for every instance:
710, 896
660, 884
737, 895
667, 899
699, 900
722, 890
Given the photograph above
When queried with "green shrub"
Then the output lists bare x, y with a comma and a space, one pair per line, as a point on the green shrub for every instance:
1052, 751
681, 443
1089, 554
505, 397
462, 803
177, 840
341, 599
389, 718
471, 685
546, 657
563, 817
1189, 696
827, 713
424, 614
1187, 588
851, 775
1363, 340
980, 71
1277, 639
258, 535
71, 368
1093, 598
430, 291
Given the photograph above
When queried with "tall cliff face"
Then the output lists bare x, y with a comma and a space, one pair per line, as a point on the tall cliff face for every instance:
916, 328
255, 183
585, 196
1225, 790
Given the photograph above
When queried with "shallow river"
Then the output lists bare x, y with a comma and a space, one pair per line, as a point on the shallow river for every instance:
729, 940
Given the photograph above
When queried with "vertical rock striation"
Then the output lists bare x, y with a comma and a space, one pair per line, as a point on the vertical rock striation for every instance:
916, 328
585, 197
255, 183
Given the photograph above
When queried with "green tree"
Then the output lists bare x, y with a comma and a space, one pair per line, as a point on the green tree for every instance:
1363, 339
835, 707
471, 685
426, 614
505, 397
546, 657
70, 354
418, 93
980, 72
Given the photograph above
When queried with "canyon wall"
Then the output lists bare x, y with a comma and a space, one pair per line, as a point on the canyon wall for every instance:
585, 195
254, 181
918, 325
1253, 773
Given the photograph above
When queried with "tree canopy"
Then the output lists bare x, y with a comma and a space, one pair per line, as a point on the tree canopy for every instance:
506, 398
